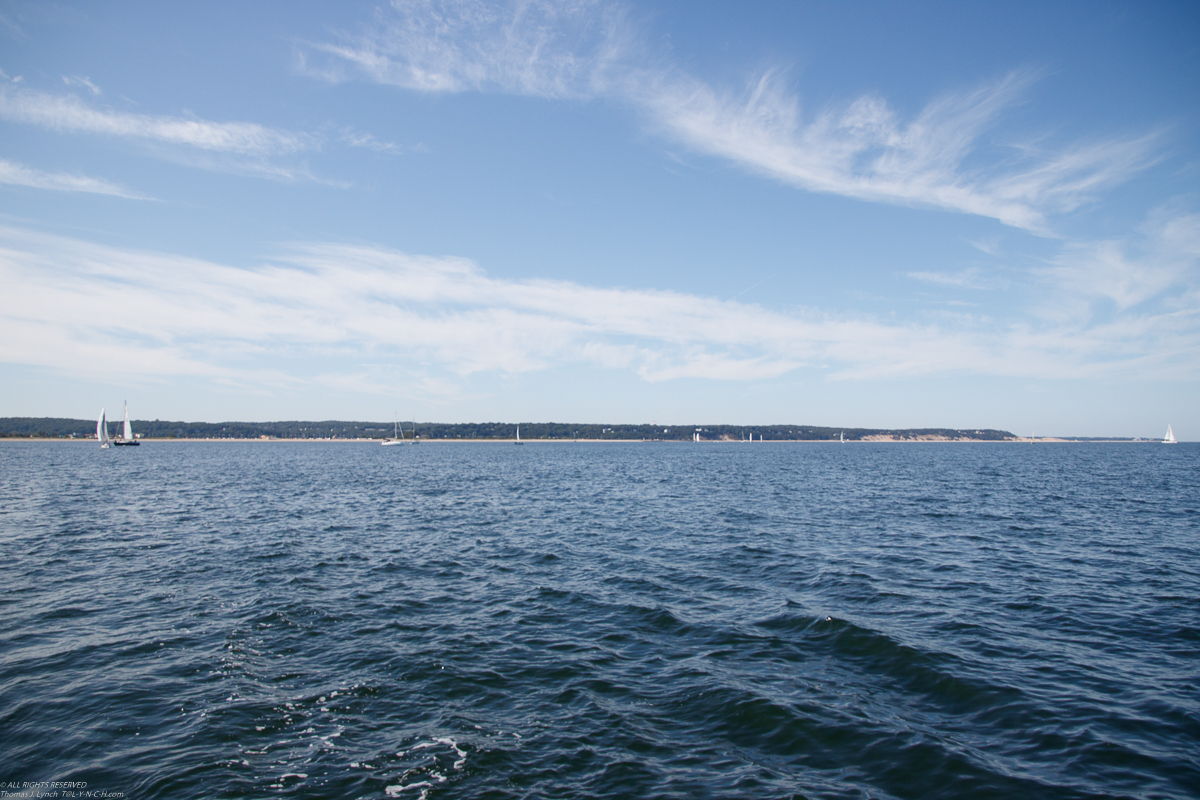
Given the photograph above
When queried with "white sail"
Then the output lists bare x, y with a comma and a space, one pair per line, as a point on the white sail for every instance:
1170, 437
128, 429
102, 429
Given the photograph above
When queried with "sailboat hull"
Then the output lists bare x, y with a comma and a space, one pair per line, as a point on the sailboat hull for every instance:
122, 443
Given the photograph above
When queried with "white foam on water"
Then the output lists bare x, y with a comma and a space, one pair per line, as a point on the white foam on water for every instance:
462, 754
424, 786
429, 770
328, 739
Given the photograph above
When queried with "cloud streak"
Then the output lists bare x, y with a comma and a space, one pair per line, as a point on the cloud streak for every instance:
82, 81
972, 278
363, 309
534, 47
1126, 274
20, 175
69, 113
862, 149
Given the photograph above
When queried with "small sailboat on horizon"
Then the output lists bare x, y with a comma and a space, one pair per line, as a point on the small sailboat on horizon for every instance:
102, 431
519, 435
127, 438
1170, 437
396, 437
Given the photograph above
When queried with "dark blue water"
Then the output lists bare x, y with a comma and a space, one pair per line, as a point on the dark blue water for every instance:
206, 620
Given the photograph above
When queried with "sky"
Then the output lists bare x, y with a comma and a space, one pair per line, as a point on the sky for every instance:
859, 214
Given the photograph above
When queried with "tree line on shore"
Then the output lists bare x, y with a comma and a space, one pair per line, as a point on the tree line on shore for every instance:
61, 428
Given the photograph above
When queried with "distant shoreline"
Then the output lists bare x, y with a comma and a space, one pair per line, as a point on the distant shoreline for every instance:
56, 428
865, 440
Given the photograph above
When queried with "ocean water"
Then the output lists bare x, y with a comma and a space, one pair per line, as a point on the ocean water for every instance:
666, 620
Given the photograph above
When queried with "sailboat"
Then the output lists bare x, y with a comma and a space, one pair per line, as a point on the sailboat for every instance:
127, 439
843, 438
396, 437
519, 435
102, 431
1170, 437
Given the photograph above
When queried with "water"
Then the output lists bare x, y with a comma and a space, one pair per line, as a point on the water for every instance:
205, 620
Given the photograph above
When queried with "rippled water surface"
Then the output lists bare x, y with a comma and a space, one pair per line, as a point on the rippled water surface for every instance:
203, 620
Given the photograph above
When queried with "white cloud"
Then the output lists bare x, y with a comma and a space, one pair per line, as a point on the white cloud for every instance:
20, 175
357, 139
68, 113
970, 278
989, 245
241, 147
864, 150
321, 311
1127, 273
861, 149
532, 47
83, 81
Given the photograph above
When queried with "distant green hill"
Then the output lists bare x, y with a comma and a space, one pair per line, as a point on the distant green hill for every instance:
55, 427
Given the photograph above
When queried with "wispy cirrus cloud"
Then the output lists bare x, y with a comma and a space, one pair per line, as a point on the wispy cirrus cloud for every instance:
1129, 272
244, 147
534, 47
365, 309
970, 278
861, 149
20, 175
69, 113
864, 150
355, 138
81, 81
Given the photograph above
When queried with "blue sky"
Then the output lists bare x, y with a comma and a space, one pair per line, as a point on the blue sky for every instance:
846, 214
